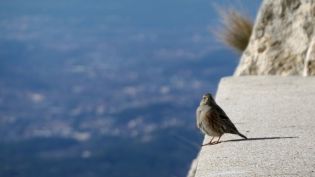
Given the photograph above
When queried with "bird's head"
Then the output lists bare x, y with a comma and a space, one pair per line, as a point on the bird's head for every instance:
207, 99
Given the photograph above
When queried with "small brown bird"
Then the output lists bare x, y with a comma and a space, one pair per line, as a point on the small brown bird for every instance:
213, 121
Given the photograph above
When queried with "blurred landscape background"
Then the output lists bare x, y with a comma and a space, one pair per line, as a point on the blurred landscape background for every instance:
106, 88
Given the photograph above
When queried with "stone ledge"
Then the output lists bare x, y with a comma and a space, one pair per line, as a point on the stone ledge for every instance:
278, 115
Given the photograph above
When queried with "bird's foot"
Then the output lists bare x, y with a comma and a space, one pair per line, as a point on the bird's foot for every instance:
206, 144
211, 143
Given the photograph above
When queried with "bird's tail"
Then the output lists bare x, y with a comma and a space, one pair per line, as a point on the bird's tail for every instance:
243, 136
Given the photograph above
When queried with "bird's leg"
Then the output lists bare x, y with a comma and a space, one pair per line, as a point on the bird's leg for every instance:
209, 142
218, 141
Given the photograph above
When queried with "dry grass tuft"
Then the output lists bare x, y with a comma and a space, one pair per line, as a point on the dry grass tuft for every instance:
236, 29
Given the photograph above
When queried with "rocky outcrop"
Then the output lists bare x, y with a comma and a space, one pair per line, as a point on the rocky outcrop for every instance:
282, 42
309, 64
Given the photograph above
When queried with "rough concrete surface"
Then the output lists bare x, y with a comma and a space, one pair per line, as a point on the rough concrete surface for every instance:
277, 114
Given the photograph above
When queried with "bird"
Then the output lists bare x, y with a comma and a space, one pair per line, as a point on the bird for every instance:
213, 121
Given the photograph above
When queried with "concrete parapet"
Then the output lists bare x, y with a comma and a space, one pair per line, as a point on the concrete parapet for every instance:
277, 114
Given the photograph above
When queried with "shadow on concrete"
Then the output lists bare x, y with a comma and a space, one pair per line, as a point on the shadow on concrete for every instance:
262, 138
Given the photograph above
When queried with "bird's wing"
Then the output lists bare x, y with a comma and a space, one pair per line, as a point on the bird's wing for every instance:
223, 121
214, 121
220, 111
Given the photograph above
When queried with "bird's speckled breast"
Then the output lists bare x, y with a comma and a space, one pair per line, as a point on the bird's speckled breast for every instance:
202, 121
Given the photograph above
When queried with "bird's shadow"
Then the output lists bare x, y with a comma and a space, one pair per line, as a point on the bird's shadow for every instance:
260, 138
